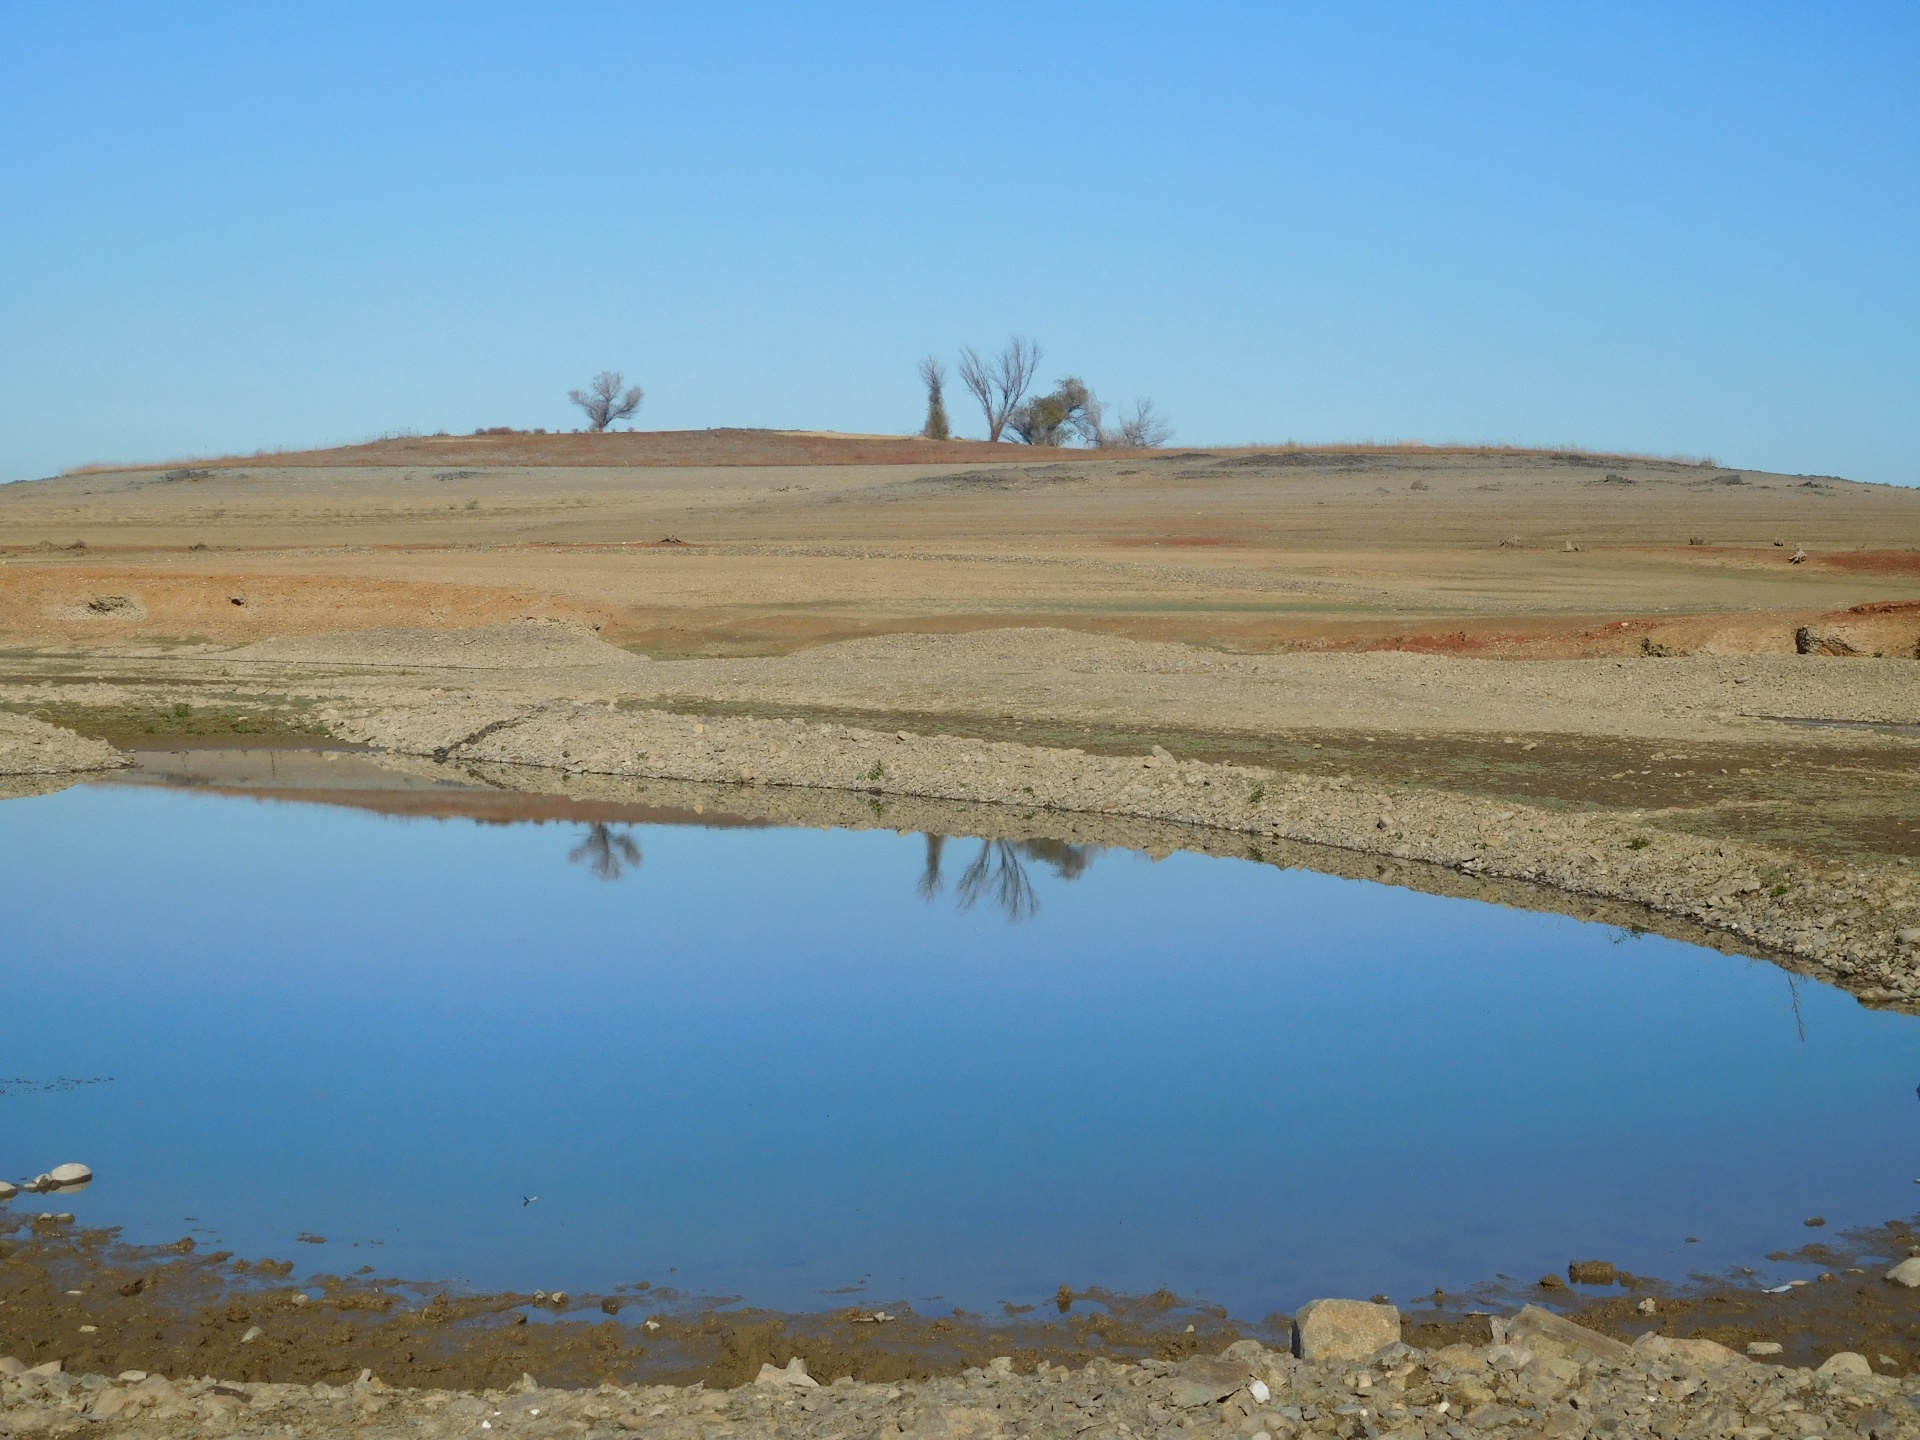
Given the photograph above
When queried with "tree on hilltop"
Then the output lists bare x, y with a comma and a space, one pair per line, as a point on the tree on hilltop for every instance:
934, 376
604, 402
1000, 384
1052, 419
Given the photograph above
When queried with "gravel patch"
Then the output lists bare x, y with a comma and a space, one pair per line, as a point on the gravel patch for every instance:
1546, 1379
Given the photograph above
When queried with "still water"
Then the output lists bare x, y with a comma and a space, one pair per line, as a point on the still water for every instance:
802, 1066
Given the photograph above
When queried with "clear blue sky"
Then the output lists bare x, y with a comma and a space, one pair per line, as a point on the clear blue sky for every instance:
1671, 228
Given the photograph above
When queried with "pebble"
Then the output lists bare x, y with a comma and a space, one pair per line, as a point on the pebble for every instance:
70, 1174
1761, 1348
1906, 1273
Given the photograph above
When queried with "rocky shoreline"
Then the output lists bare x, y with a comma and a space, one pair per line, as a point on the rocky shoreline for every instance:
1350, 1375
1853, 923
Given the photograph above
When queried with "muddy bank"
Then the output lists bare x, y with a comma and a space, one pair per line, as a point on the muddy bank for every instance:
373, 1356
96, 1305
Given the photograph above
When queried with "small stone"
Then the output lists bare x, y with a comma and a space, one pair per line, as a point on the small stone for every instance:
1907, 935
1845, 1363
8, 1189
10, 1367
1906, 1273
794, 1374
70, 1174
1647, 1307
1593, 1272
1343, 1329
131, 1377
1815, 1222
1259, 1391
254, 1332
52, 1367
1202, 1381
1760, 1348
1690, 1354
89, 1329
1544, 1331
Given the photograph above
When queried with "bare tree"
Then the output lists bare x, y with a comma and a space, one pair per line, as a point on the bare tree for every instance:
606, 851
604, 402
930, 881
997, 873
934, 376
1000, 384
1145, 429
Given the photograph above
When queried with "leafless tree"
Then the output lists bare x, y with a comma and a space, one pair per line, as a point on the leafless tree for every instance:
604, 402
997, 871
1145, 429
934, 376
930, 881
606, 851
1000, 384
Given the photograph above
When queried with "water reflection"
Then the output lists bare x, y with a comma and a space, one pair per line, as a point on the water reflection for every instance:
607, 851
999, 872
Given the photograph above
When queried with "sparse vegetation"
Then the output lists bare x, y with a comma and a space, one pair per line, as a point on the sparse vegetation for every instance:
933, 375
605, 403
1000, 384
1052, 419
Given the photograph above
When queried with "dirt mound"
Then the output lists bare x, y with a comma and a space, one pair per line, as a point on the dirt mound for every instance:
33, 747
521, 645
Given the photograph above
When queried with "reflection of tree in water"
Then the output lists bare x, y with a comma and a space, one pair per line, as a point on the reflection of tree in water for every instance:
607, 851
999, 872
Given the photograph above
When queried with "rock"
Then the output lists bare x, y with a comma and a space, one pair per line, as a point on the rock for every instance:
1549, 1374
52, 1367
1593, 1272
1821, 640
1907, 935
8, 1190
11, 1367
1906, 1273
254, 1332
1542, 1330
794, 1374
1845, 1363
70, 1174
1201, 1381
131, 1377
1687, 1353
1759, 1348
1343, 1329
1647, 1306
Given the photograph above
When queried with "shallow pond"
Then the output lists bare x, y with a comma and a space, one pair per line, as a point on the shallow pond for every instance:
803, 1066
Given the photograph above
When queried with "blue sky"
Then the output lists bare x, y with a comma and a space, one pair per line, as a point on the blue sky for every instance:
1678, 229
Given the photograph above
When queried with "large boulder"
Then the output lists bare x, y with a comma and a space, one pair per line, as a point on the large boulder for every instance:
1546, 1333
1343, 1329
